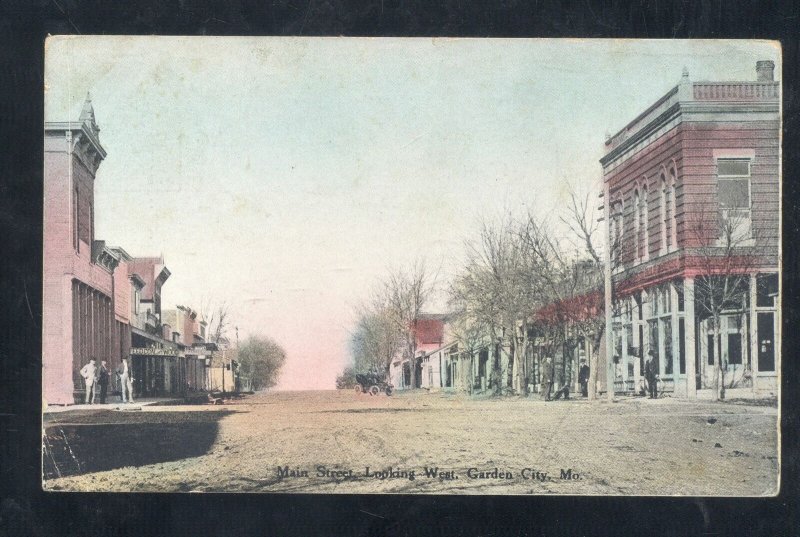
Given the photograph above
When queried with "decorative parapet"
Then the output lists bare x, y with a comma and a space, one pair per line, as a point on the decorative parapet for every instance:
735, 91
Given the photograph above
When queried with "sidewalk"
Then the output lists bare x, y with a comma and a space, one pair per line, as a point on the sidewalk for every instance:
117, 405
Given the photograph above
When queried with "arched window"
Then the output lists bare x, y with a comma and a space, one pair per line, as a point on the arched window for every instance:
664, 209
643, 222
637, 228
673, 222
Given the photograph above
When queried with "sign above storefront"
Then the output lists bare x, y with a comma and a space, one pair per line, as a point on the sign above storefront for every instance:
154, 351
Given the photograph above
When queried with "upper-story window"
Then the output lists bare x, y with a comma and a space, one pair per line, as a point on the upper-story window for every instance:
664, 208
636, 225
643, 221
733, 183
672, 221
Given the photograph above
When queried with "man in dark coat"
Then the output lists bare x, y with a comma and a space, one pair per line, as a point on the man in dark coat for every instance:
651, 375
103, 374
583, 378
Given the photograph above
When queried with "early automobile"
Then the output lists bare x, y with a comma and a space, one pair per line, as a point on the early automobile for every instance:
373, 384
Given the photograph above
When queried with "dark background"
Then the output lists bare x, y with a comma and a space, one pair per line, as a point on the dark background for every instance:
26, 510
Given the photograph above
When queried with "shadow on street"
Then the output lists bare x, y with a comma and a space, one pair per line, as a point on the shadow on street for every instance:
102, 440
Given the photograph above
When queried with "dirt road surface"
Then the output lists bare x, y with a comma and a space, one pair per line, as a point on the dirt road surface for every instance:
479, 446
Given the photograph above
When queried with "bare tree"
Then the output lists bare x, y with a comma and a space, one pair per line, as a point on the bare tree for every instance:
217, 317
589, 312
727, 251
568, 288
493, 294
404, 295
374, 341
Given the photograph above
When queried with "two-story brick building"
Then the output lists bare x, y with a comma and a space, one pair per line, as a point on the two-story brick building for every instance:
78, 320
692, 192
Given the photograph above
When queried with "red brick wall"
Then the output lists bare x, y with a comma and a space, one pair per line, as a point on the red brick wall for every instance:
647, 165
62, 265
691, 147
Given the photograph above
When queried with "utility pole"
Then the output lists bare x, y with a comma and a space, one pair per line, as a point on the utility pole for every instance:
610, 372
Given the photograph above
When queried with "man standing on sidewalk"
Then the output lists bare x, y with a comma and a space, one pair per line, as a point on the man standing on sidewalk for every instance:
89, 373
125, 381
103, 375
583, 378
651, 375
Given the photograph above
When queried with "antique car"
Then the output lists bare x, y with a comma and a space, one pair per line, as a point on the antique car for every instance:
373, 384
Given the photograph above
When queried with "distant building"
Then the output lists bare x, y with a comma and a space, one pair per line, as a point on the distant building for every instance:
702, 158
188, 332
429, 330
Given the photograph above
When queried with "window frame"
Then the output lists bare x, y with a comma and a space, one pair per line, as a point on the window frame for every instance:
747, 212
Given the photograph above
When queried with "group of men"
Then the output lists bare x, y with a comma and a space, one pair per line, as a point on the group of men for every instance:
650, 377
97, 378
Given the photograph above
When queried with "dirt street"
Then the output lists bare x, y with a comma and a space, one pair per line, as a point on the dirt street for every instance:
325, 441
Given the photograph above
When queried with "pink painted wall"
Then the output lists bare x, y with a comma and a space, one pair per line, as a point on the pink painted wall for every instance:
62, 263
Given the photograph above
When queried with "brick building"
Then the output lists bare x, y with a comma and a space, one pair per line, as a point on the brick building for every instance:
78, 315
98, 301
692, 191
188, 332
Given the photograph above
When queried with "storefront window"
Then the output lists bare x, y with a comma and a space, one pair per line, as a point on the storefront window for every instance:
653, 329
766, 290
667, 326
766, 341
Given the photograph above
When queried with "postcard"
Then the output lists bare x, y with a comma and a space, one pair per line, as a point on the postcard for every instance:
417, 266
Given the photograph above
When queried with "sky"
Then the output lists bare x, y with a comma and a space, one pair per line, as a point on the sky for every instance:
286, 176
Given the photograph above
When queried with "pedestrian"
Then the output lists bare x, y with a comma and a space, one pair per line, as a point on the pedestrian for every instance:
583, 378
103, 375
651, 374
547, 378
89, 373
125, 381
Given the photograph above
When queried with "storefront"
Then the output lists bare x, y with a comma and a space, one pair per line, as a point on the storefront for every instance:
157, 371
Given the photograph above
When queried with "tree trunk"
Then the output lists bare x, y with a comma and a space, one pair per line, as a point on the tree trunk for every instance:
594, 359
522, 372
413, 361
512, 364
497, 373
715, 383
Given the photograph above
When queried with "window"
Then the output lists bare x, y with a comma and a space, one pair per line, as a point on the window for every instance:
636, 225
733, 181
682, 345
663, 206
667, 330
640, 223
671, 209
643, 217
766, 341
766, 290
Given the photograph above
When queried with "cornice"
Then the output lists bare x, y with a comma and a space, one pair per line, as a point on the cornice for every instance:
83, 142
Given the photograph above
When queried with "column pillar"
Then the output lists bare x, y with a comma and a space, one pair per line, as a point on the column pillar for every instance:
675, 335
753, 324
689, 344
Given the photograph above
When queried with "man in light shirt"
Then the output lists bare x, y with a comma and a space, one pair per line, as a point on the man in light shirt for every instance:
89, 374
125, 381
